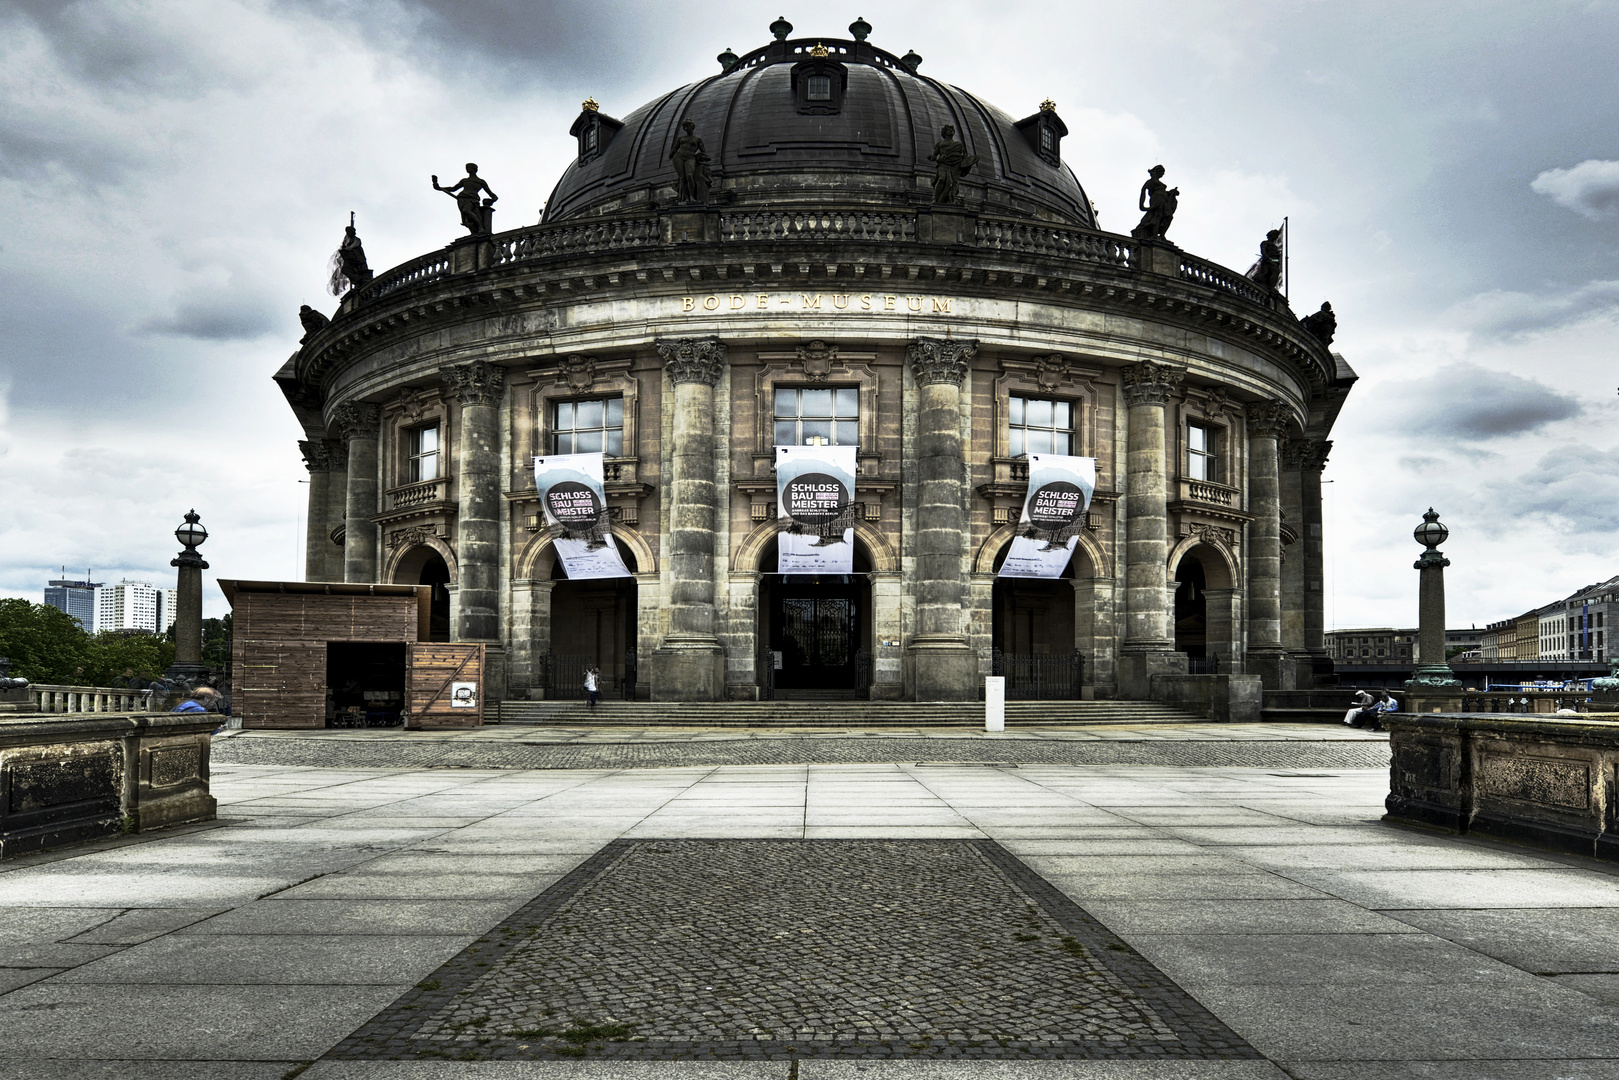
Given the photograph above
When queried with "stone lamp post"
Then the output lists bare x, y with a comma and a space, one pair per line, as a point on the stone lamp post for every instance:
1433, 684
188, 601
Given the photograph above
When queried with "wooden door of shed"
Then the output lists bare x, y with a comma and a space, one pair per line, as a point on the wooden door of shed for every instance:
436, 669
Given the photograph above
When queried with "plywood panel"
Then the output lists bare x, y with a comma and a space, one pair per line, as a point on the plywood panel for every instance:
434, 666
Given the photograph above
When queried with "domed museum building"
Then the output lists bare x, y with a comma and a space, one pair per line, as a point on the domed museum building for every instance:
822, 249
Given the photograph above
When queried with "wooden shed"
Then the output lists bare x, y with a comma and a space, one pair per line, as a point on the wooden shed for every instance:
311, 654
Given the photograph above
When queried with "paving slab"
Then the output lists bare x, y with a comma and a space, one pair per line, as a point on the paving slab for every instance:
1604, 987
152, 1070
1549, 887
143, 924
1534, 939
1366, 960
280, 915
1325, 916
244, 959
548, 1070
1518, 1069
1149, 886
362, 886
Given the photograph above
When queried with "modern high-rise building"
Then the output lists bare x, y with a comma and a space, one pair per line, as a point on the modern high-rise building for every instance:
77, 598
133, 605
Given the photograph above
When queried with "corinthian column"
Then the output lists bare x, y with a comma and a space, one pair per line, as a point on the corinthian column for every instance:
943, 667
690, 664
1148, 647
1290, 460
327, 461
1266, 656
1314, 460
359, 423
477, 483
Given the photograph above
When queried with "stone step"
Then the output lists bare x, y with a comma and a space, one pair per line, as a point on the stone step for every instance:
838, 714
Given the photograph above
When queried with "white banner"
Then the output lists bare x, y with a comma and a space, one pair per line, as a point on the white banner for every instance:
815, 509
575, 504
1060, 490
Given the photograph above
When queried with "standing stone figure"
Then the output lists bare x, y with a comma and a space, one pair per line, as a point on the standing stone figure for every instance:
1158, 203
950, 154
1323, 324
692, 174
466, 192
349, 269
1267, 272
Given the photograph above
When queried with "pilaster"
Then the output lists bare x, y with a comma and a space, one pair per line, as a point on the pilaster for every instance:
360, 424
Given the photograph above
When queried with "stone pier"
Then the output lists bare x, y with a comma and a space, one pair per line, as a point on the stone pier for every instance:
477, 523
689, 664
327, 462
1148, 648
359, 423
1267, 656
943, 666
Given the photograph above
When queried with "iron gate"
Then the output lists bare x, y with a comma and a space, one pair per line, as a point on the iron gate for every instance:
565, 676
1036, 677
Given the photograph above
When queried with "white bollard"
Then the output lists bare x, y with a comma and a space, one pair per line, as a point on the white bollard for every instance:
995, 703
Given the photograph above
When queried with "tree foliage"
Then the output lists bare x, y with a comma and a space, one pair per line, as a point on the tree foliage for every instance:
115, 657
45, 644
216, 643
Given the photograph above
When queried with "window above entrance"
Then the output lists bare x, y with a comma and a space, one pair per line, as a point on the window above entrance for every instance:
830, 416
588, 427
1202, 460
425, 459
1039, 426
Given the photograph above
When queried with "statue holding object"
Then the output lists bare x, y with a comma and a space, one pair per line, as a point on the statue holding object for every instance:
692, 174
953, 162
1322, 325
466, 191
349, 268
1158, 203
1267, 271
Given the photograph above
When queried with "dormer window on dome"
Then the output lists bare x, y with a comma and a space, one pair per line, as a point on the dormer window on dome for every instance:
819, 84
594, 129
1044, 131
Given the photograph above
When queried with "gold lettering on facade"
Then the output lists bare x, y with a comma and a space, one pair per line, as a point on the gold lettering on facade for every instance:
914, 303
764, 301
711, 303
865, 302
888, 302
809, 303
738, 302
816, 302
942, 307
687, 303
840, 300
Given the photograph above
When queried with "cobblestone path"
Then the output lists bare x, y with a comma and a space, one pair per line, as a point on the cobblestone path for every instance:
749, 949
403, 754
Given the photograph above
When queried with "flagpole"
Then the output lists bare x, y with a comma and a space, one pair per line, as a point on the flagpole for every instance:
1287, 275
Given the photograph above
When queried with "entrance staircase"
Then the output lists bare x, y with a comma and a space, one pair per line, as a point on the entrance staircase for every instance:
843, 714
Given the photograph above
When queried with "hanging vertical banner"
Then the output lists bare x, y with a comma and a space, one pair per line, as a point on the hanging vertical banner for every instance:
575, 504
1060, 490
815, 509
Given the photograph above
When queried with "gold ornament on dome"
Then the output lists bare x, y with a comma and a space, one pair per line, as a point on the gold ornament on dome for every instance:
819, 52
589, 105
1048, 106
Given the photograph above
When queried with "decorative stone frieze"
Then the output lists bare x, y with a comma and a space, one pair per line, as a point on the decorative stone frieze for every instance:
323, 455
1268, 419
1051, 371
357, 419
693, 360
577, 373
477, 383
817, 359
1147, 382
941, 360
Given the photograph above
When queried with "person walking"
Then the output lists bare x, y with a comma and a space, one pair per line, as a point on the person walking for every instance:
592, 687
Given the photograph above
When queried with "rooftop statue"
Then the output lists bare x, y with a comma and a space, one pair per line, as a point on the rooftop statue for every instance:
349, 268
692, 174
466, 192
1267, 270
950, 154
1158, 202
313, 322
1323, 324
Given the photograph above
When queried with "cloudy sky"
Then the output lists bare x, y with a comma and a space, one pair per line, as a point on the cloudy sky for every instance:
173, 177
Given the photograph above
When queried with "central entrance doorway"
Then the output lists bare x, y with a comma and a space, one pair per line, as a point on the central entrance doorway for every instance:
816, 633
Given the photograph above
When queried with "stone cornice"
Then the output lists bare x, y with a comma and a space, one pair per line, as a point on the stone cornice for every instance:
477, 383
692, 360
324, 455
358, 419
940, 360
1149, 383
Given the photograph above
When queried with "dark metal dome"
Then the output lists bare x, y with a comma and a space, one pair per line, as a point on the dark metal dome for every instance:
867, 144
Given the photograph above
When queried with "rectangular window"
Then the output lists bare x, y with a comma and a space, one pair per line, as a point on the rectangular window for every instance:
819, 88
595, 426
817, 416
1040, 426
1201, 460
1048, 141
424, 454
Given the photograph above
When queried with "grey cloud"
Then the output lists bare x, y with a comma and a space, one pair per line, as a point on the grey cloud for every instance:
1465, 401
30, 151
214, 316
1590, 188
1501, 313
1576, 486
114, 46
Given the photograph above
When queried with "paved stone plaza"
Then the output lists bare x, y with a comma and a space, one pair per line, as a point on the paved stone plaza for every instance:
1262, 909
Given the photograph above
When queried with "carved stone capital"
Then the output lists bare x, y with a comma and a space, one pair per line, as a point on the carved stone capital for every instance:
477, 383
1268, 419
1313, 453
357, 419
1147, 382
693, 360
324, 455
817, 359
1290, 454
940, 360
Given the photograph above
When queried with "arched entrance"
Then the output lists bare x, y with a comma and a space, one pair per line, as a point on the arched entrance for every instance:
1206, 623
593, 623
816, 631
1032, 634
1191, 610
424, 565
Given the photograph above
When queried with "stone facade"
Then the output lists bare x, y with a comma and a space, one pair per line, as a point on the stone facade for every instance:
956, 332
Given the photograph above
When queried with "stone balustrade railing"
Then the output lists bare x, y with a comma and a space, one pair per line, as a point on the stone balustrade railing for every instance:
817, 225
418, 494
1215, 276
56, 700
1028, 238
